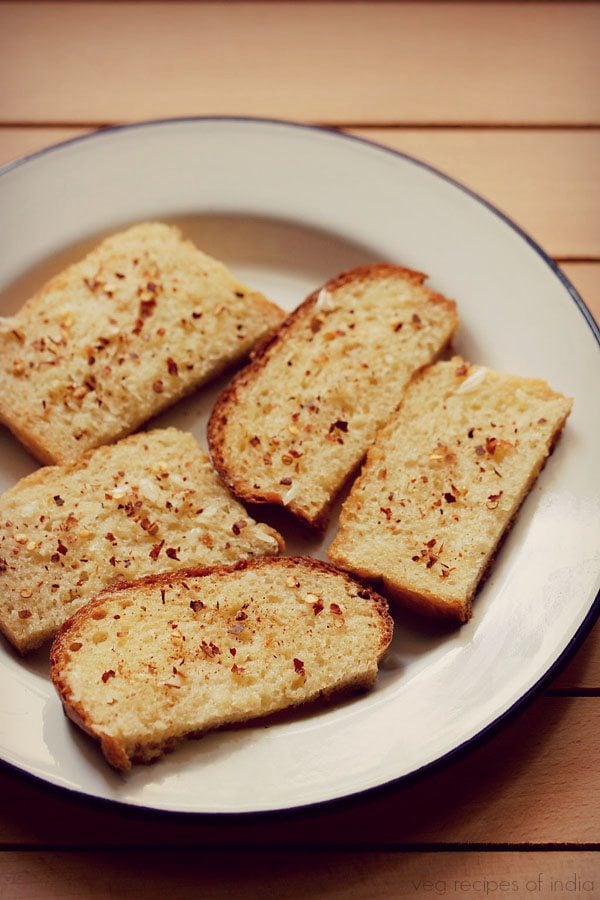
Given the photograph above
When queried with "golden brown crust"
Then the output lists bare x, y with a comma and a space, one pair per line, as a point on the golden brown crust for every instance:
29, 441
231, 397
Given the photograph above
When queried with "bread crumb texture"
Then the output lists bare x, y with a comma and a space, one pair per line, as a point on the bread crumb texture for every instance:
142, 667
443, 482
143, 320
150, 503
297, 420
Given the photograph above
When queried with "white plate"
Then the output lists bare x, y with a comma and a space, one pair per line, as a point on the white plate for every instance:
287, 207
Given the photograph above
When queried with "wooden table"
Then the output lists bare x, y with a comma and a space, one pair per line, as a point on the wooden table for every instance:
506, 98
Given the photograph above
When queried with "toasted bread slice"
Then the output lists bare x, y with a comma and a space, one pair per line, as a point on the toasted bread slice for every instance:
147, 664
443, 482
295, 423
140, 322
150, 503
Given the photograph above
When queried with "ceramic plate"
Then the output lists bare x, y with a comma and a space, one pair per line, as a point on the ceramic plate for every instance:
287, 207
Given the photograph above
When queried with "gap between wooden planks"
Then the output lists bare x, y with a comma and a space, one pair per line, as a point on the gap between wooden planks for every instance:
246, 875
534, 781
344, 62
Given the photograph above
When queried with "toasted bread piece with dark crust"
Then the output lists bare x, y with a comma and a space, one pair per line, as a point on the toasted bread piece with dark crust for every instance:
143, 320
297, 421
444, 481
149, 663
149, 503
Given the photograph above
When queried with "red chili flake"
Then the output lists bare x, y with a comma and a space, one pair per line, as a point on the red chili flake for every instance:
196, 605
340, 424
479, 450
387, 511
237, 526
171, 553
211, 650
109, 674
490, 445
335, 609
113, 561
299, 666
157, 386
431, 561
61, 548
58, 500
255, 441
470, 432
286, 481
110, 536
416, 320
147, 525
25, 613
55, 558
237, 670
147, 308
449, 498
156, 550
493, 500
318, 607
241, 615
172, 366
431, 543
398, 326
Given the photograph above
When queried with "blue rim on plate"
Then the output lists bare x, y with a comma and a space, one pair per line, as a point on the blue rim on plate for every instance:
577, 638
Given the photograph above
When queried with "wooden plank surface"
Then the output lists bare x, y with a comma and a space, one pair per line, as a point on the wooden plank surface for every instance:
247, 875
536, 781
333, 62
546, 181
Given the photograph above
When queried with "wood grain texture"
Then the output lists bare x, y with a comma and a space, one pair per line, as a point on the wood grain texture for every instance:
534, 781
546, 181
245, 875
332, 62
